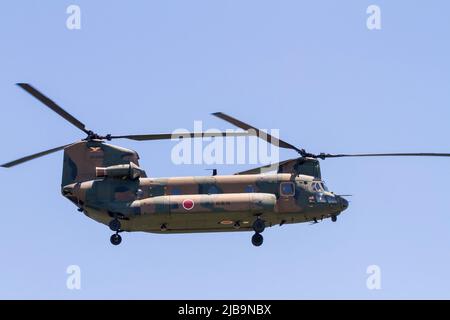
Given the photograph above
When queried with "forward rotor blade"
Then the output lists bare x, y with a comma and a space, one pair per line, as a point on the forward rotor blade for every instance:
422, 154
33, 156
169, 136
52, 105
275, 166
265, 136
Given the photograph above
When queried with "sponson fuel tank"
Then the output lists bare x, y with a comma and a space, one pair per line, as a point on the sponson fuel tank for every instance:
201, 203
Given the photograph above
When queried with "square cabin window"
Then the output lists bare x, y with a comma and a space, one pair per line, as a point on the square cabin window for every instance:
287, 189
249, 189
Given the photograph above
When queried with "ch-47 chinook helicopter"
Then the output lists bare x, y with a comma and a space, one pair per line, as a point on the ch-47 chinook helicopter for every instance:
106, 183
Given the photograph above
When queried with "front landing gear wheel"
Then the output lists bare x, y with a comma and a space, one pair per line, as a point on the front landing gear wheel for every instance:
334, 218
115, 225
257, 239
116, 239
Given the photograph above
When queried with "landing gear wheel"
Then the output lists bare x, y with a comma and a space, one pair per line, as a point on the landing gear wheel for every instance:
114, 225
257, 239
116, 239
334, 218
259, 225
237, 225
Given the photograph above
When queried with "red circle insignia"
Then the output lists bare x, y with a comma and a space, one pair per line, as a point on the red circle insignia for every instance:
188, 204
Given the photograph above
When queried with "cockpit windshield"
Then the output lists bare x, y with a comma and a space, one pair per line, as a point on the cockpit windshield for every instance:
319, 186
316, 187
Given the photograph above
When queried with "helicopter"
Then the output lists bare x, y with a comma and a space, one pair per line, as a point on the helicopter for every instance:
106, 183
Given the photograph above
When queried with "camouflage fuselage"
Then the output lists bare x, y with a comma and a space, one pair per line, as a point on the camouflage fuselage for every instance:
205, 204
105, 182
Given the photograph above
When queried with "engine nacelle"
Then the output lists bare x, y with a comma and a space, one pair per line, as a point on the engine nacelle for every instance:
123, 171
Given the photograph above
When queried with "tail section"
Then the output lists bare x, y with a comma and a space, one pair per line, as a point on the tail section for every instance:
82, 158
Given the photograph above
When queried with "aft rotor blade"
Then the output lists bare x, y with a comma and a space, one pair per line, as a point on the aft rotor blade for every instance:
33, 156
265, 136
168, 136
52, 105
421, 154
269, 167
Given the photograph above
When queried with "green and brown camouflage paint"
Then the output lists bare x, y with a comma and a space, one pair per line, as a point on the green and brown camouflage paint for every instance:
185, 204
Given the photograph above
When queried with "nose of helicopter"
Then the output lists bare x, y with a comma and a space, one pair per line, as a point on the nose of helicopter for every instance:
344, 203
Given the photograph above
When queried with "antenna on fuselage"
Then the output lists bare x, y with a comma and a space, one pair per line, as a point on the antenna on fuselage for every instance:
214, 171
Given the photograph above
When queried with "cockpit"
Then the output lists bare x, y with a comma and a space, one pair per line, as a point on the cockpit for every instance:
322, 194
319, 186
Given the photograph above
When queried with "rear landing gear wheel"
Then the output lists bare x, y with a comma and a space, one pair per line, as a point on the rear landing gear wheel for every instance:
116, 239
334, 218
259, 225
115, 225
257, 239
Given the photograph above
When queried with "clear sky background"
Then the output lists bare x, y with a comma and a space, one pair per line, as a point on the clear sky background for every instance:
311, 69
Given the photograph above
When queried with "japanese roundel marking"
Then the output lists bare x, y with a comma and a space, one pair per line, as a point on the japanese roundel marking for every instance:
188, 204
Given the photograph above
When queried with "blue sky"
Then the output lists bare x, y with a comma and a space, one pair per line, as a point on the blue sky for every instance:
311, 69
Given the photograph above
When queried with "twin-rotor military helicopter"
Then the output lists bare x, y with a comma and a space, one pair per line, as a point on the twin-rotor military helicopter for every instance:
106, 183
